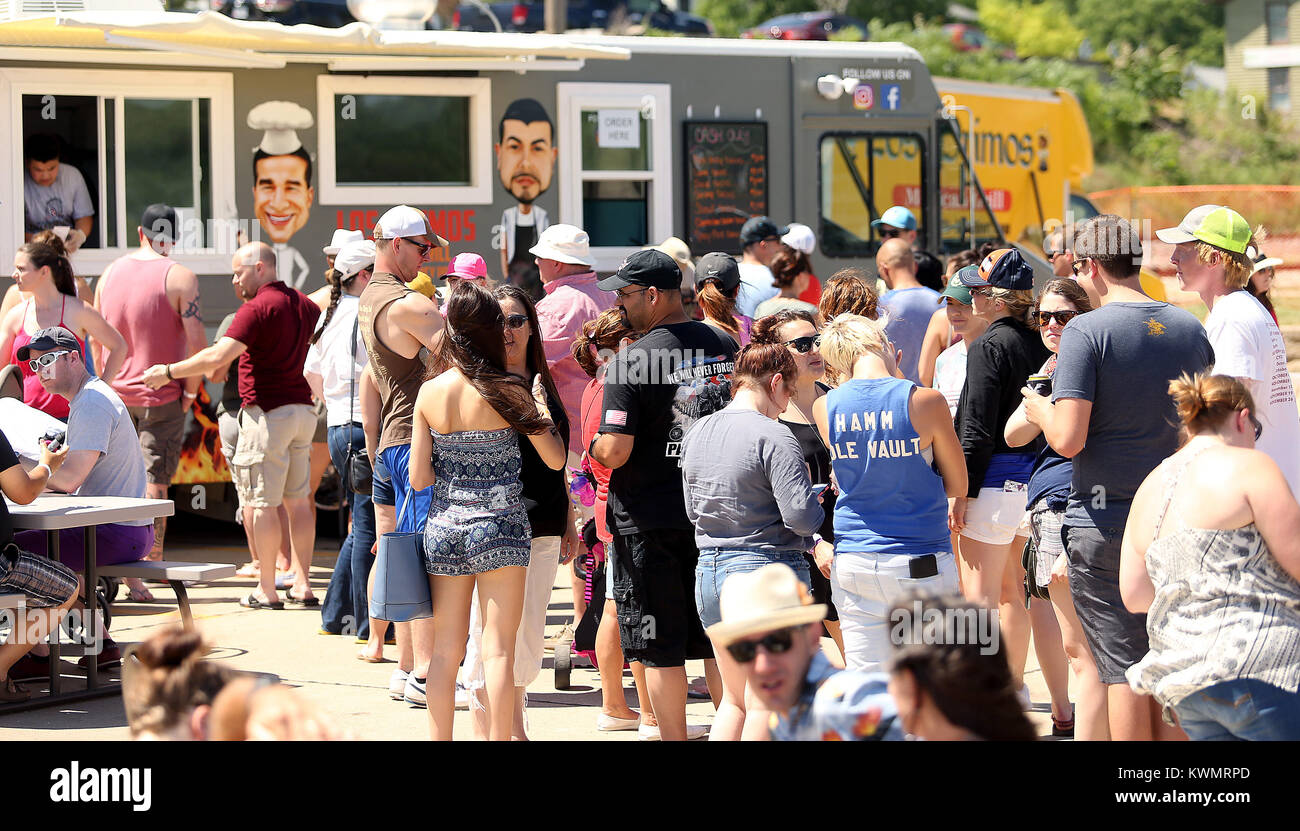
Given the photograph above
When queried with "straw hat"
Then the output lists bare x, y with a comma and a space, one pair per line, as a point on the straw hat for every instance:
764, 600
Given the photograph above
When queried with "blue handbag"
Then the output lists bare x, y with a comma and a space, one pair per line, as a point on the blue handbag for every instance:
401, 590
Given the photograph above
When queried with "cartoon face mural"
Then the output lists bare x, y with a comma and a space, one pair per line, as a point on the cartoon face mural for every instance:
526, 155
282, 191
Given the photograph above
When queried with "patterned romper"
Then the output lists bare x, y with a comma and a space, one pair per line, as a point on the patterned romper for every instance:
477, 521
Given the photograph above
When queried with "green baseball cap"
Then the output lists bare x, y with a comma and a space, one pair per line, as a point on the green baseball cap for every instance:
1213, 224
956, 289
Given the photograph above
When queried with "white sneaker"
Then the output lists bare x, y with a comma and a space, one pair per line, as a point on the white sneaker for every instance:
646, 733
414, 692
397, 684
609, 724
462, 697
565, 634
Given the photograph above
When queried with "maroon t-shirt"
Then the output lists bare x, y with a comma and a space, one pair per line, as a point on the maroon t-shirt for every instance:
275, 326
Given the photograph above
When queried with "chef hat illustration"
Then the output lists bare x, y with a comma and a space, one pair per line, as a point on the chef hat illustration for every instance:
280, 120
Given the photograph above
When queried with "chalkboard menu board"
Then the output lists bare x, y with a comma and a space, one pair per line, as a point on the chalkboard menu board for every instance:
726, 182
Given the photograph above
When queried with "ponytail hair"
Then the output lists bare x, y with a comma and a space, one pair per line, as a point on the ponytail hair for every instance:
1205, 401
718, 306
46, 250
605, 333
336, 291
943, 648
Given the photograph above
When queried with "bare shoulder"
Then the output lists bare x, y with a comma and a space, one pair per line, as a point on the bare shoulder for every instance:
926, 403
182, 278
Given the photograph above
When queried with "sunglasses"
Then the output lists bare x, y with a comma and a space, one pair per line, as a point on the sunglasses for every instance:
516, 321
1053, 254
1078, 265
805, 344
1259, 428
983, 292
424, 247
38, 364
1045, 318
777, 643
890, 233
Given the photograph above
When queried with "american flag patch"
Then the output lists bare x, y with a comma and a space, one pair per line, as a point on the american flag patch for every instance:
618, 418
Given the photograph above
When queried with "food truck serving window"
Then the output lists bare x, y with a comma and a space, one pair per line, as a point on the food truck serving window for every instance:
862, 176
407, 140
616, 166
95, 150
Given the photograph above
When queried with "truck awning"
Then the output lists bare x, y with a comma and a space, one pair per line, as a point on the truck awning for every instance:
216, 37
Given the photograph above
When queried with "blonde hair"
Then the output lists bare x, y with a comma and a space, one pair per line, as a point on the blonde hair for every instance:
1019, 304
847, 338
1237, 268
1205, 401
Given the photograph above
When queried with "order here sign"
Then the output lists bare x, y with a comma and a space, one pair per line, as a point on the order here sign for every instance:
618, 128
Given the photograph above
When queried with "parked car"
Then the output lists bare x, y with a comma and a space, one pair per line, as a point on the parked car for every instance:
529, 16
808, 26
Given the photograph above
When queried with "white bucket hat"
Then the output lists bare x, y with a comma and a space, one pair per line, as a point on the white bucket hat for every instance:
342, 237
763, 600
564, 244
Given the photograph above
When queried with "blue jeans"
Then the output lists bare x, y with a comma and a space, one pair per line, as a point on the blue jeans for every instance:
717, 564
1241, 710
346, 596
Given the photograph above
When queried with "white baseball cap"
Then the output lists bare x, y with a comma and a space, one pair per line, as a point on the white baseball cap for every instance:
800, 238
564, 244
405, 221
342, 237
354, 257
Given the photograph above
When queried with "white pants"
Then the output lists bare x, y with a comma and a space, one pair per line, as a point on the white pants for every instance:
865, 587
530, 640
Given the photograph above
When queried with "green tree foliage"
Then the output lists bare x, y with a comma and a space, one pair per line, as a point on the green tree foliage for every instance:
1035, 29
1194, 26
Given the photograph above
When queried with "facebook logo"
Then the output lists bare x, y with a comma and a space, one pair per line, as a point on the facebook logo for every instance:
892, 95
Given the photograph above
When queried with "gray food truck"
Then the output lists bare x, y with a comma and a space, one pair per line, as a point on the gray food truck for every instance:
287, 133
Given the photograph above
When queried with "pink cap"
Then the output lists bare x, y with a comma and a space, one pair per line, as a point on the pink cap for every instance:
468, 267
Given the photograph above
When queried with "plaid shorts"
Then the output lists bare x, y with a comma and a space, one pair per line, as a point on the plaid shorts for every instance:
46, 583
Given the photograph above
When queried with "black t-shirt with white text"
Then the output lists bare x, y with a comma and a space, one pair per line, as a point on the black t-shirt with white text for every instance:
655, 389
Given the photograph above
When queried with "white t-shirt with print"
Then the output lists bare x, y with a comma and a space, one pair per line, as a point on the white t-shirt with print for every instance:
1248, 344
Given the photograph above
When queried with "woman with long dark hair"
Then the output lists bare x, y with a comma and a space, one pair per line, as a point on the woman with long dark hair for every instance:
42, 269
789, 275
551, 515
948, 681
465, 443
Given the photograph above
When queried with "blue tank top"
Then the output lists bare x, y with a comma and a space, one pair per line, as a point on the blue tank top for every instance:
891, 501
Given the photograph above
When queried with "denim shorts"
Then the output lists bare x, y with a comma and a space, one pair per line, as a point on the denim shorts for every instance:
1240, 710
717, 564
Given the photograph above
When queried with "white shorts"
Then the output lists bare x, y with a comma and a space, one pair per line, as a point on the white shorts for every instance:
997, 516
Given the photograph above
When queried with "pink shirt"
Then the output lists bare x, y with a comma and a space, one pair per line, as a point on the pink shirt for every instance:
134, 302
569, 303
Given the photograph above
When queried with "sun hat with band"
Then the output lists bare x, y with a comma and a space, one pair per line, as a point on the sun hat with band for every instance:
956, 289
763, 600
1001, 269
1213, 224
405, 221
341, 237
355, 257
564, 244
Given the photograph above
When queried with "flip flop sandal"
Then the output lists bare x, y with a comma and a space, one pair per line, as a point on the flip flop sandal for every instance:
252, 602
140, 596
296, 601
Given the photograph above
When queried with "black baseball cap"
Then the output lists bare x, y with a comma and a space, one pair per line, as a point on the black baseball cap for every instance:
159, 223
759, 228
1002, 269
720, 267
53, 337
651, 267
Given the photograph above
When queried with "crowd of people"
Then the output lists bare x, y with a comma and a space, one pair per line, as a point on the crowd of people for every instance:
856, 500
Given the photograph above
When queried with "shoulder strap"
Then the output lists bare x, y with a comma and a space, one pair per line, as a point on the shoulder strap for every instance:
62, 307
1172, 475
352, 385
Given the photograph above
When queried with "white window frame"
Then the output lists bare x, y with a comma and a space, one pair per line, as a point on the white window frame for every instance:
479, 93
656, 101
218, 87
